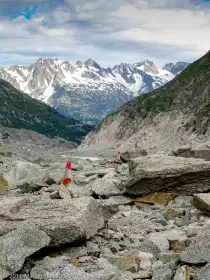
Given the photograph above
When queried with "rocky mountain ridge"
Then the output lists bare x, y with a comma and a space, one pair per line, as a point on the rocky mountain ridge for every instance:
176, 114
84, 90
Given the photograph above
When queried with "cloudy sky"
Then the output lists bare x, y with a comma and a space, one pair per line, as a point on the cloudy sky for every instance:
109, 31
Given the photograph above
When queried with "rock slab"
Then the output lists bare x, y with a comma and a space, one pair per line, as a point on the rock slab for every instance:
16, 246
199, 251
65, 221
168, 174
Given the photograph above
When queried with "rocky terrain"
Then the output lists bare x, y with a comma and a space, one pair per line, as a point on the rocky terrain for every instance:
84, 90
172, 116
20, 111
141, 217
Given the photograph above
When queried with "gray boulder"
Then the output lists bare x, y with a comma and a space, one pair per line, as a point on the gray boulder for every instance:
17, 245
204, 274
168, 173
108, 186
202, 202
65, 221
162, 273
25, 172
199, 250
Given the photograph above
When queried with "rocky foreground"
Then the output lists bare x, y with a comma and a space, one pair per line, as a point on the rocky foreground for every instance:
144, 219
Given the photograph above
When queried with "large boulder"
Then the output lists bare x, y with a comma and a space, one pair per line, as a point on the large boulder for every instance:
16, 246
167, 173
199, 250
25, 173
65, 221
108, 186
202, 202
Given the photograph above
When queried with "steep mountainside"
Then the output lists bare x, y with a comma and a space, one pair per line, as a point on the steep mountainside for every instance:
85, 90
175, 114
18, 110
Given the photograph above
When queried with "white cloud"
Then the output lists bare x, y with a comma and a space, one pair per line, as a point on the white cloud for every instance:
109, 31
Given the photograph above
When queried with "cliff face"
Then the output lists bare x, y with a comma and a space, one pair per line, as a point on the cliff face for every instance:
176, 114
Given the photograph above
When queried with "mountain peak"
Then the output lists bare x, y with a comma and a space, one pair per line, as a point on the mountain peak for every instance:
47, 61
175, 68
91, 63
147, 66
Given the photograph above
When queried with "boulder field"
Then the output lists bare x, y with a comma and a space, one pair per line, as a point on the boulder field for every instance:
146, 218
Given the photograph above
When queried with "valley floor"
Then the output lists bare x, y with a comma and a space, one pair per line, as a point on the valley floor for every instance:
146, 219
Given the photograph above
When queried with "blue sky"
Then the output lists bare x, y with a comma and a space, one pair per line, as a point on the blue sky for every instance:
109, 31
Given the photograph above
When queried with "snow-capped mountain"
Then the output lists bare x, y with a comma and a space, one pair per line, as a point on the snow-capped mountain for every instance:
85, 90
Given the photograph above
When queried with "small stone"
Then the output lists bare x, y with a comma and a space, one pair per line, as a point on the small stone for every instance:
160, 241
162, 273
146, 260
193, 229
171, 213
199, 250
75, 262
182, 273
177, 246
141, 275
154, 246
53, 188
84, 259
204, 273
170, 235
168, 257
106, 252
125, 263
55, 195
93, 249
202, 202
75, 252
